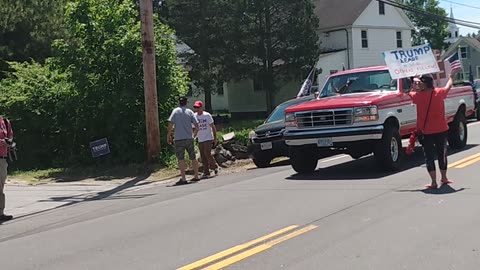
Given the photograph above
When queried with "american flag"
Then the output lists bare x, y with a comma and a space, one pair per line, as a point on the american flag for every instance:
307, 85
453, 63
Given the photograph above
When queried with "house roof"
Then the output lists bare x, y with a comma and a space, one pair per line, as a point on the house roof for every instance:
472, 42
339, 13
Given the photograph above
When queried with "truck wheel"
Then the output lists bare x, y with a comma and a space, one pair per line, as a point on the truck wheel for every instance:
458, 133
304, 160
478, 112
261, 160
389, 151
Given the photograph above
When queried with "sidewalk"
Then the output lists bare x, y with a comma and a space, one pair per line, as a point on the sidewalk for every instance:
24, 200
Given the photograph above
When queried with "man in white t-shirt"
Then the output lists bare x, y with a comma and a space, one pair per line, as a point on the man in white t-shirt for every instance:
207, 137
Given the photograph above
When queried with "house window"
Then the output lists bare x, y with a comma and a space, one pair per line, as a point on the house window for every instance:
257, 82
456, 33
381, 7
364, 39
478, 71
463, 52
220, 88
450, 35
399, 39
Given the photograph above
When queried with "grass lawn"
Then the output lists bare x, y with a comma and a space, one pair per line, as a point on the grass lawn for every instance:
97, 173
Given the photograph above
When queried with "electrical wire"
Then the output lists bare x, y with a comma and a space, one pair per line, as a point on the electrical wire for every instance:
470, 24
426, 13
469, 6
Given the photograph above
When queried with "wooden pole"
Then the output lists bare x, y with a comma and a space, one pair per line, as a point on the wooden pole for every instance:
150, 82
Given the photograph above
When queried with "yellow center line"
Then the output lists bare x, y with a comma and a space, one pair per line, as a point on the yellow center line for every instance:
464, 160
466, 164
235, 249
258, 249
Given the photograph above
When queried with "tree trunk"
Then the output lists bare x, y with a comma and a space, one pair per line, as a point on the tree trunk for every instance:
268, 57
208, 99
205, 57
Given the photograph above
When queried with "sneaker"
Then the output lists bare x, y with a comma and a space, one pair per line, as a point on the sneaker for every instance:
196, 179
5, 218
181, 182
216, 171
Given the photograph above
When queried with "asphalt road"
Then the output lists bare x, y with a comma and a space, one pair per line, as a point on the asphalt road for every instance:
346, 216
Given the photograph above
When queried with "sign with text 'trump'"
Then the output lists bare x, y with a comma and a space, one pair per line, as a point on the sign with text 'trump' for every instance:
99, 148
409, 62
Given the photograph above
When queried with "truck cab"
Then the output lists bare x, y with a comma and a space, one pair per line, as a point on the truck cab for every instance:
363, 111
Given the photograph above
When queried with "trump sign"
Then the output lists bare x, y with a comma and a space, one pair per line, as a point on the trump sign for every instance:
409, 62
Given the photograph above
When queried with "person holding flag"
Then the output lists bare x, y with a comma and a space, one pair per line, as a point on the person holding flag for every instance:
432, 127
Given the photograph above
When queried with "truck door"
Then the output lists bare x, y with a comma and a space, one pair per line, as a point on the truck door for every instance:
408, 118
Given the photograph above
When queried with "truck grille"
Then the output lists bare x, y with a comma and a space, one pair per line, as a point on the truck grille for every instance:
325, 118
269, 134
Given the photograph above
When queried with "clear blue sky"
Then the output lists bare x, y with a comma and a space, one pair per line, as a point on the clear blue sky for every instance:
463, 13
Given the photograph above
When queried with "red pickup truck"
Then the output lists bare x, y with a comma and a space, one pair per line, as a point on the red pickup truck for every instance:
372, 115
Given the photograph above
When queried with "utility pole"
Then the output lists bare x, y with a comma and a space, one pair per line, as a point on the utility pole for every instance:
150, 81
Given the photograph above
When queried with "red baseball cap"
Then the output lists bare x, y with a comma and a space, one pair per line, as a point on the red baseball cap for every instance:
198, 103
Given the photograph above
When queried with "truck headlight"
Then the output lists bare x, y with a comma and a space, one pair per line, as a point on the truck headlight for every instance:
290, 120
368, 113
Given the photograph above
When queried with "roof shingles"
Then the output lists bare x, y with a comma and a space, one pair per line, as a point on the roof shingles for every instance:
338, 13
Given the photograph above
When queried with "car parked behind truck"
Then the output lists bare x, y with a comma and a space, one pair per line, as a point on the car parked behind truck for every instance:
266, 141
372, 115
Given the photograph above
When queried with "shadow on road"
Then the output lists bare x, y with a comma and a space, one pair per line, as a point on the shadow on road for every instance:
442, 190
104, 195
366, 168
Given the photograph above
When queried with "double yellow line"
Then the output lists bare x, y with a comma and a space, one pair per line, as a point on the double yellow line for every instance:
465, 162
248, 249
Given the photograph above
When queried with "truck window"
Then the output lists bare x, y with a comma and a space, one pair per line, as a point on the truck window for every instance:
370, 81
406, 85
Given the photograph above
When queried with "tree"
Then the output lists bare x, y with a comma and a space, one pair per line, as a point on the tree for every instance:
28, 28
201, 24
428, 29
92, 88
276, 39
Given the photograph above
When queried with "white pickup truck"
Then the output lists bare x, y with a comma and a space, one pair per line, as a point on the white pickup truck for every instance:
371, 117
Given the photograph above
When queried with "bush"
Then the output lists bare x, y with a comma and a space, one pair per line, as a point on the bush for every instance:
40, 102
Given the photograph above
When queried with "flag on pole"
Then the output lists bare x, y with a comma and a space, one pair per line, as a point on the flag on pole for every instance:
452, 64
307, 85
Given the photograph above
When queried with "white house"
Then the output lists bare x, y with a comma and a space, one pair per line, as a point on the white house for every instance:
355, 34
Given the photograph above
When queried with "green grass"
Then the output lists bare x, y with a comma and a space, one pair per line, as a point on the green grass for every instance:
241, 129
168, 167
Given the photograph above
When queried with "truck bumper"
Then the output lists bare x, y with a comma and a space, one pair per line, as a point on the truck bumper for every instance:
339, 135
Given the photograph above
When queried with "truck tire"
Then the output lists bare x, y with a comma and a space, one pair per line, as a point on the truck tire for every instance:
304, 160
458, 133
389, 151
478, 112
261, 159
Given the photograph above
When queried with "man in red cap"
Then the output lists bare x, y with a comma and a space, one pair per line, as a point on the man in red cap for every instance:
207, 137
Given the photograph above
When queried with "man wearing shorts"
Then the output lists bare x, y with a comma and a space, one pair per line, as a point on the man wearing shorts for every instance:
181, 120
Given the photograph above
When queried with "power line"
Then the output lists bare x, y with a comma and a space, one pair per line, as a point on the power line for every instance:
465, 5
470, 24
426, 13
